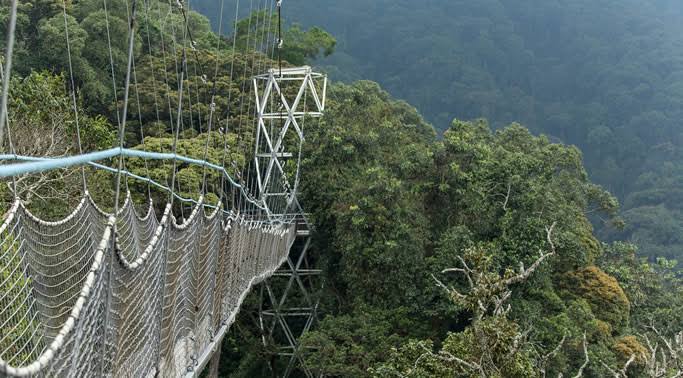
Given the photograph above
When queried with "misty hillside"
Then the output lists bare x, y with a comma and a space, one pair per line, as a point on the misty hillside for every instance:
604, 75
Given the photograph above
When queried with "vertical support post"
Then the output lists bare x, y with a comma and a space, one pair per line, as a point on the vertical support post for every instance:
215, 362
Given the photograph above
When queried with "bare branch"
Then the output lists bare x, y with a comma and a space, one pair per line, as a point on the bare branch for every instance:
628, 363
450, 290
488, 296
579, 374
623, 372
467, 271
500, 302
524, 275
517, 343
447, 357
615, 374
507, 197
555, 351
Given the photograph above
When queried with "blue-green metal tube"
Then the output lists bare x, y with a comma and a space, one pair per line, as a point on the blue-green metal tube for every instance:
37, 165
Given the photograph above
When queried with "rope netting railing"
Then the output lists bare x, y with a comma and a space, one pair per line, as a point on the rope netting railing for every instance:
125, 296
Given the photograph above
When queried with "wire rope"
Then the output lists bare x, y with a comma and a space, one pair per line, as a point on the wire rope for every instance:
8, 66
73, 90
229, 105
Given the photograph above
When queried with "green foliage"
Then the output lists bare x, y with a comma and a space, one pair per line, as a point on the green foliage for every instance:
628, 346
604, 294
505, 187
44, 121
418, 360
156, 112
348, 345
302, 46
396, 205
43, 124
367, 194
654, 289
40, 103
190, 177
16, 342
492, 345
606, 76
42, 41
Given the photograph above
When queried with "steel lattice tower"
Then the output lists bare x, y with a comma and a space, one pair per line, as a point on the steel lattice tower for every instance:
285, 98
289, 301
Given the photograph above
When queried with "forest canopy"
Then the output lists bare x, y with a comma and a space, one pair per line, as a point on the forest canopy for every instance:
604, 75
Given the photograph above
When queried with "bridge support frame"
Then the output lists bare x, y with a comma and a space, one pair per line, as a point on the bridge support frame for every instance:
289, 305
284, 98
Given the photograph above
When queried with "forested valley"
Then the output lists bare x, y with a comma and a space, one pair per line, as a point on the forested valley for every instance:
603, 75
516, 215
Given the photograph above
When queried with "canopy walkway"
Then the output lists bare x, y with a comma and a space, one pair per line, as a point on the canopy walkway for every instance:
96, 295
123, 293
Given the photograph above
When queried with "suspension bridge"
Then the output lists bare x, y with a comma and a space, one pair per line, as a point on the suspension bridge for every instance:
125, 290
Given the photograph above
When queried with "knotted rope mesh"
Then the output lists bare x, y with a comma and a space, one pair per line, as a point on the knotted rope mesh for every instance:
125, 296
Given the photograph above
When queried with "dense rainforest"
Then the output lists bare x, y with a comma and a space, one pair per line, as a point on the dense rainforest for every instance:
449, 248
604, 75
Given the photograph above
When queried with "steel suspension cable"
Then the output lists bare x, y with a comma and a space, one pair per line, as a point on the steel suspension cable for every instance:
73, 91
173, 171
258, 62
124, 113
280, 42
183, 67
240, 148
184, 71
139, 111
142, 130
180, 77
154, 90
111, 62
251, 74
278, 5
212, 103
167, 87
227, 118
8, 66
9, 138
151, 61
262, 51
